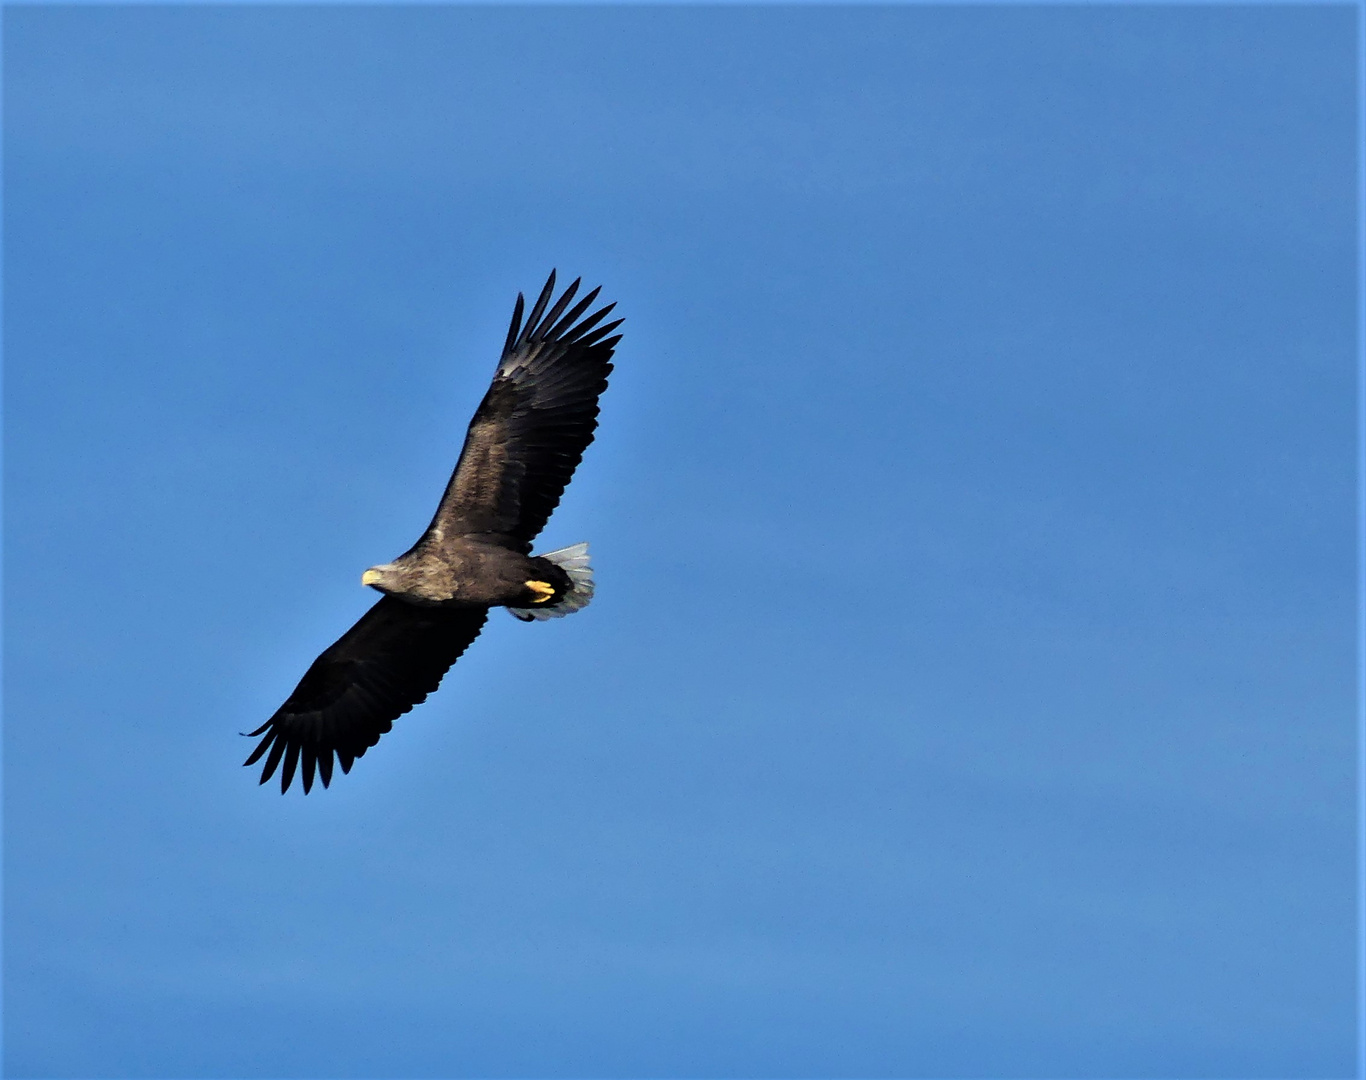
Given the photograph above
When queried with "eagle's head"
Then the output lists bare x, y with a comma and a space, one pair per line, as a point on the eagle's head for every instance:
385, 578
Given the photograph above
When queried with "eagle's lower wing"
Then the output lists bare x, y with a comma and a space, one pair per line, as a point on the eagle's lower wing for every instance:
535, 422
379, 669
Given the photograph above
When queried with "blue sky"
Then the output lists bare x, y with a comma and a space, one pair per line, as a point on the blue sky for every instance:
969, 689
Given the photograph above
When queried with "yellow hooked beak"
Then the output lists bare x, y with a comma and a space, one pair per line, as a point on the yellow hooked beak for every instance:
370, 577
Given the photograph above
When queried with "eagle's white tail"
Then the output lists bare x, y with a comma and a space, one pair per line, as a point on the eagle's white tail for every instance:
574, 561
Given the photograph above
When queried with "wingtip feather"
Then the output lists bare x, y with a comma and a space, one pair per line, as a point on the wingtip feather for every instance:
535, 317
291, 763
543, 331
277, 749
557, 331
517, 310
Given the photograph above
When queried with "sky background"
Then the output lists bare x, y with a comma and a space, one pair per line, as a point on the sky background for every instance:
969, 690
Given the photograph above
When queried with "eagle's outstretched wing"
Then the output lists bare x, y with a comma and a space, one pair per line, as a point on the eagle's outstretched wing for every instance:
530, 431
388, 662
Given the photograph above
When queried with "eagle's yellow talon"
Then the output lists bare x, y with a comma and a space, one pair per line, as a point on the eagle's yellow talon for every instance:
543, 590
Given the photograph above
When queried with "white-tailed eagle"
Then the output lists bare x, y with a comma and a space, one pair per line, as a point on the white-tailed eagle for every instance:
527, 436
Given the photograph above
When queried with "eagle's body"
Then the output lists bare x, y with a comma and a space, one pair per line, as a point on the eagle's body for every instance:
523, 445
468, 572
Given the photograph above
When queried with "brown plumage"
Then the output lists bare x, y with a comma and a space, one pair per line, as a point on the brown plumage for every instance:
527, 437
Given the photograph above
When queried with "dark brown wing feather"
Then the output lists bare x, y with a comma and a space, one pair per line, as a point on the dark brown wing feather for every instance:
379, 669
530, 431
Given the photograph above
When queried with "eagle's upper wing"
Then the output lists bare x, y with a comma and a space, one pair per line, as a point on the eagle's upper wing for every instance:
530, 431
379, 669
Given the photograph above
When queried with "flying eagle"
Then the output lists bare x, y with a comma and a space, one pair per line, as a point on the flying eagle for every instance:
527, 436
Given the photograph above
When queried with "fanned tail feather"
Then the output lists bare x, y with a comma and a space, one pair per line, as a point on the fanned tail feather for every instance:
573, 560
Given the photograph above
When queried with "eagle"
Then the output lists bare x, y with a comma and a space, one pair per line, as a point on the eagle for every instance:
527, 437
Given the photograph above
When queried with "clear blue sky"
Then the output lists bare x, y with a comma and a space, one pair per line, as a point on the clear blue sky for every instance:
969, 690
